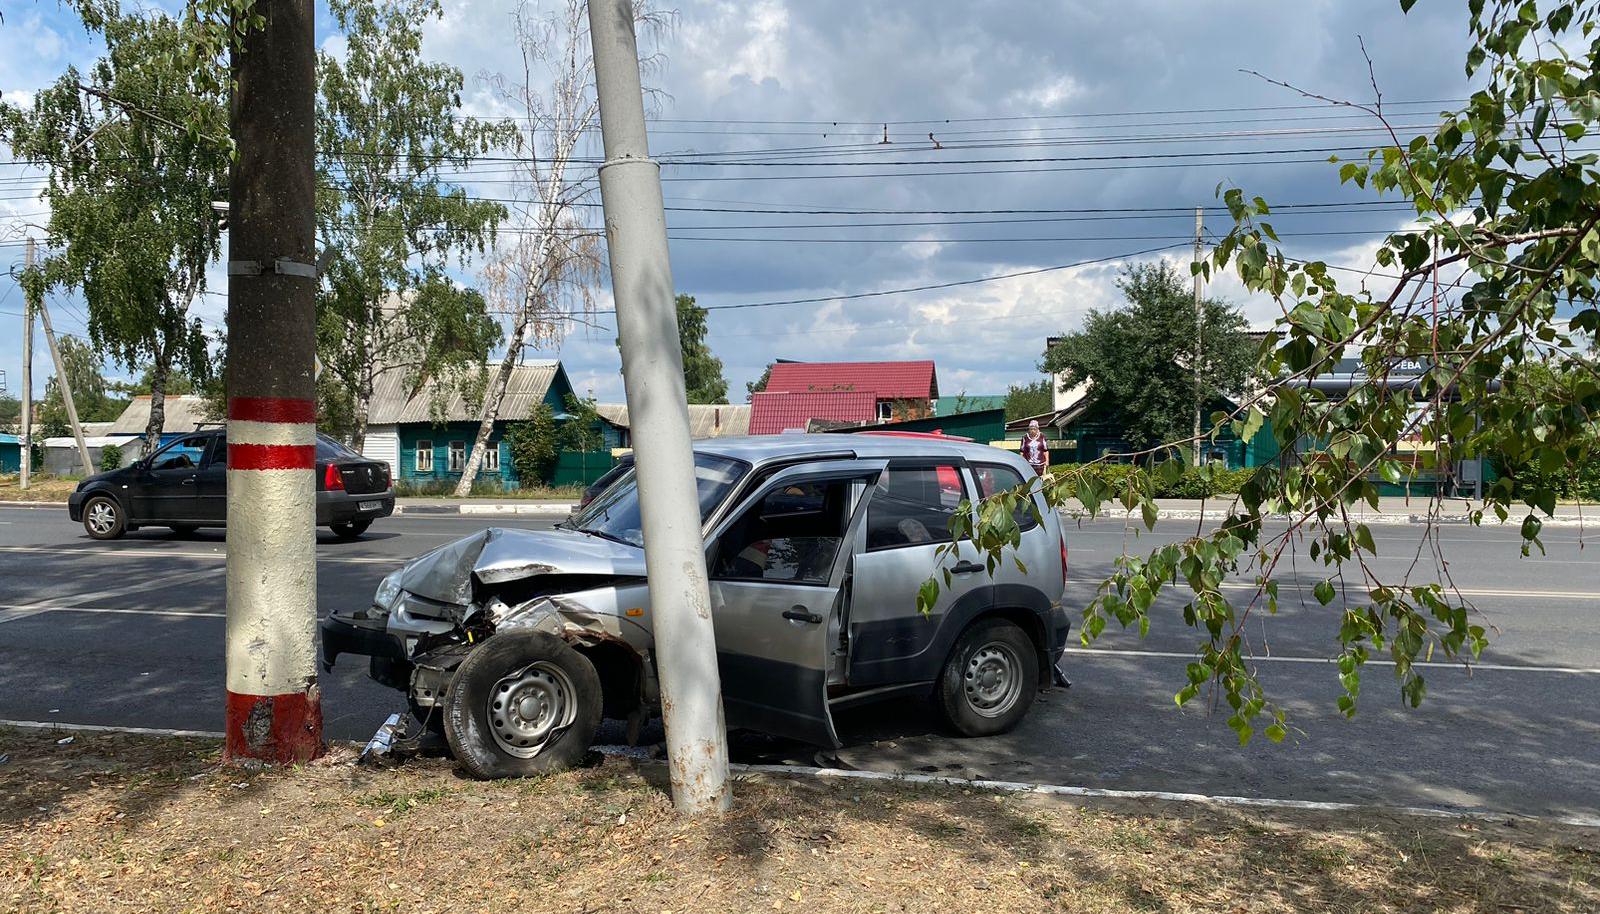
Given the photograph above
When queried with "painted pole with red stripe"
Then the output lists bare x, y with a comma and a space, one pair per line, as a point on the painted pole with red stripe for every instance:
274, 707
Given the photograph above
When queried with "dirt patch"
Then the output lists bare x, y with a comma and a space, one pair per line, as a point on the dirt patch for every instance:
40, 488
113, 823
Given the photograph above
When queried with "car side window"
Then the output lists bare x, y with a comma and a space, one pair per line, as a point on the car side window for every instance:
183, 454
792, 535
993, 478
913, 505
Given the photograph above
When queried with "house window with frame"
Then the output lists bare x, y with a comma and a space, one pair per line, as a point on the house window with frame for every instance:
491, 457
885, 410
458, 456
424, 456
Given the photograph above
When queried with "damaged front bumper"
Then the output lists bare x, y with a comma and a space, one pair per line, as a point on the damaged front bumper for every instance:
359, 634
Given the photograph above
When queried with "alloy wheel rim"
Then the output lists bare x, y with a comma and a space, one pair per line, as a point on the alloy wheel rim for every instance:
992, 680
102, 517
530, 708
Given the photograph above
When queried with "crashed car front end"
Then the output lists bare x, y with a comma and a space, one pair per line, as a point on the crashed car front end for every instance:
428, 616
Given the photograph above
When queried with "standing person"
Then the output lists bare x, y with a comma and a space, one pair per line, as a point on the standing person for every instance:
1035, 450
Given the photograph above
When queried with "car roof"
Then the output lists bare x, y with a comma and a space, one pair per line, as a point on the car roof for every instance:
761, 448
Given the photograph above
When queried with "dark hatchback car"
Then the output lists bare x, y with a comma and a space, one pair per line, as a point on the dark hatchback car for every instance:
184, 485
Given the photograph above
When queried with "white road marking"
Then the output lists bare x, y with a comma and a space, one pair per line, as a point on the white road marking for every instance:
25, 610
1502, 667
34, 609
135, 552
98, 728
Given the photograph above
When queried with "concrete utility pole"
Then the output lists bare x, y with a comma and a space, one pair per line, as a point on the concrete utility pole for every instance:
1199, 328
274, 709
27, 378
652, 375
61, 377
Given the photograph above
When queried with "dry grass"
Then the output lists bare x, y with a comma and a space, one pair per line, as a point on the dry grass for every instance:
119, 823
40, 488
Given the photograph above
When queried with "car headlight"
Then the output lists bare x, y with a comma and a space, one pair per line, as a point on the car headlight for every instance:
388, 591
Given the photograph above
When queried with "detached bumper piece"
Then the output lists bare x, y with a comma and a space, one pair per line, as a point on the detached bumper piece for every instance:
353, 635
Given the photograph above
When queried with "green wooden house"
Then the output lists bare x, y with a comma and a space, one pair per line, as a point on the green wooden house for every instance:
425, 432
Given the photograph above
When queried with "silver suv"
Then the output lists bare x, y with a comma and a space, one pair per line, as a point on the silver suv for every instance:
515, 643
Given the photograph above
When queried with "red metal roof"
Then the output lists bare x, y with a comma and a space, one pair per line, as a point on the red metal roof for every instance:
888, 380
772, 412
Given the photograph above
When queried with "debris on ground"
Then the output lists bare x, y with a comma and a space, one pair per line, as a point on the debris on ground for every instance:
122, 823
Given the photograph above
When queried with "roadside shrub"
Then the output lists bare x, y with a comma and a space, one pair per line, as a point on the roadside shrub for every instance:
533, 445
1189, 485
110, 457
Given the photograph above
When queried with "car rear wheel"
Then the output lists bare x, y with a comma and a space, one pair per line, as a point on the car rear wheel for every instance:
523, 703
103, 518
349, 530
990, 679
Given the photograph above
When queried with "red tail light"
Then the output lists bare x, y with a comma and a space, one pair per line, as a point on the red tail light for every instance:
332, 480
1063, 557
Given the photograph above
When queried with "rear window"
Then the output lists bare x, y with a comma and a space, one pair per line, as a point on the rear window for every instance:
995, 478
329, 449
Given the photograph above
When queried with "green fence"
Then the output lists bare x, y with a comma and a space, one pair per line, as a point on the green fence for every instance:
580, 468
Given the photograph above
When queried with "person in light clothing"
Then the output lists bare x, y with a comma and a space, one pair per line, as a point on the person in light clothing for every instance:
1035, 450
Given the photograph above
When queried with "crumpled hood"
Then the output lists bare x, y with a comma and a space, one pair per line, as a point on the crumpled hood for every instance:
498, 555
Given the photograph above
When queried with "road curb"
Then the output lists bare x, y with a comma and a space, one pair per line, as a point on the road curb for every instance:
1389, 520
542, 509
33, 504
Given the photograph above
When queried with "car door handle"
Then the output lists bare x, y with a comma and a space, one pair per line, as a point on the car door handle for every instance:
801, 614
189, 481
966, 567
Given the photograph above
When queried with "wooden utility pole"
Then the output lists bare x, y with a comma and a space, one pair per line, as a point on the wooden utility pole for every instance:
61, 376
1199, 328
27, 376
274, 706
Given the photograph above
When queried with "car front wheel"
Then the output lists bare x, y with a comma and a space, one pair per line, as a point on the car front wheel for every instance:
990, 679
103, 518
523, 703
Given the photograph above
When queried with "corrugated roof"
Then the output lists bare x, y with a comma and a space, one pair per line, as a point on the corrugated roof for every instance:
968, 403
706, 420
772, 412
888, 380
395, 399
180, 414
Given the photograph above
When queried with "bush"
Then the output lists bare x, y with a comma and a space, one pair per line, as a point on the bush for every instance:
110, 457
1189, 485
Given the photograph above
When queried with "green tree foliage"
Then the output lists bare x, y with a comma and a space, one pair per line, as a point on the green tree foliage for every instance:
1505, 200
91, 394
10, 413
582, 431
1138, 359
534, 443
110, 457
1031, 399
387, 129
751, 388
702, 371
134, 158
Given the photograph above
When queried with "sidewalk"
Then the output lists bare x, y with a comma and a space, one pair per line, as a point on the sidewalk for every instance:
482, 506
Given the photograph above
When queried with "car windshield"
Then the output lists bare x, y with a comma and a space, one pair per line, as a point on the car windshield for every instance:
614, 514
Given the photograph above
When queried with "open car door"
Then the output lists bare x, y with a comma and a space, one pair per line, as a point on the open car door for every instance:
776, 568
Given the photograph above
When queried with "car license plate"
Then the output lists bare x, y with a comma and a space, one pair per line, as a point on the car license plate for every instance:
370, 505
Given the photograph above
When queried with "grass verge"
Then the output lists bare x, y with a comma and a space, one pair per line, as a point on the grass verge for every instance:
41, 488
114, 823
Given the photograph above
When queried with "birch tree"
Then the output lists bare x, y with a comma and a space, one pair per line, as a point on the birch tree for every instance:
386, 127
542, 276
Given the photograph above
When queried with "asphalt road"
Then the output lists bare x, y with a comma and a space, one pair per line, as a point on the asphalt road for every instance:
129, 633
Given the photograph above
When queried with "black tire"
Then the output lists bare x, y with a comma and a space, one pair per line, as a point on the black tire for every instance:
184, 529
478, 741
970, 696
103, 518
350, 529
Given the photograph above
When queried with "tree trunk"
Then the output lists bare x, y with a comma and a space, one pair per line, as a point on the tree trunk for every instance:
158, 401
358, 414
492, 398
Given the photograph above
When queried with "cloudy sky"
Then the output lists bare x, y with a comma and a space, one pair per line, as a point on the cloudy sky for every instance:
1138, 109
